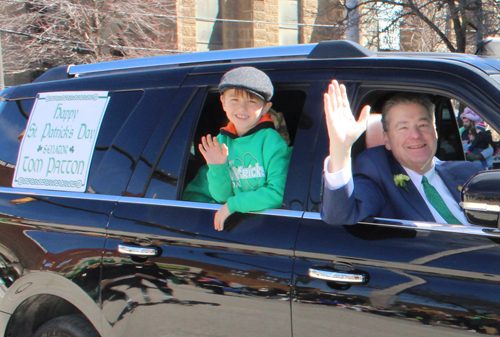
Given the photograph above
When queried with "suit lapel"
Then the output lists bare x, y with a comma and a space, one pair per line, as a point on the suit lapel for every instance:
412, 197
451, 181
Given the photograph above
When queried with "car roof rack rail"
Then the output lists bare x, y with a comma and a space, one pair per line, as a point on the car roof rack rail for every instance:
321, 50
198, 58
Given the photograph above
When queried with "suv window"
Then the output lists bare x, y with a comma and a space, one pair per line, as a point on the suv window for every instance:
164, 180
287, 108
449, 142
13, 118
105, 171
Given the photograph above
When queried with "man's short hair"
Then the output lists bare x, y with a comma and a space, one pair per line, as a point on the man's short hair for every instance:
406, 98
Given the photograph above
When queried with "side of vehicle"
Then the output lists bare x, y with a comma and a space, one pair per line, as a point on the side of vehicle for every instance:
416, 274
132, 258
54, 240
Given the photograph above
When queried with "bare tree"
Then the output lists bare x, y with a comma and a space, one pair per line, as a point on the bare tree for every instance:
458, 25
425, 25
42, 34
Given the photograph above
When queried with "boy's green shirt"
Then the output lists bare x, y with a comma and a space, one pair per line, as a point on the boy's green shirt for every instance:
252, 180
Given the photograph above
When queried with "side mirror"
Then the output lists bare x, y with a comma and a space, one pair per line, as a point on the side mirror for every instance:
481, 199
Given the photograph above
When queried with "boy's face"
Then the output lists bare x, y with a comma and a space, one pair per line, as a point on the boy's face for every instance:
243, 109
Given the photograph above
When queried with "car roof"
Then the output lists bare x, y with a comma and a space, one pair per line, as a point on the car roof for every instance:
322, 50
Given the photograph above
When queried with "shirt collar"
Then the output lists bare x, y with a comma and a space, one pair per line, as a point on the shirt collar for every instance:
265, 122
417, 177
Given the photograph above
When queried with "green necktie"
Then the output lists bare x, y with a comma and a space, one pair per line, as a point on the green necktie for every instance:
435, 199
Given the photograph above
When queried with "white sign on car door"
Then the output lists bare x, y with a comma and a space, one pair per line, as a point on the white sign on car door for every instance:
58, 143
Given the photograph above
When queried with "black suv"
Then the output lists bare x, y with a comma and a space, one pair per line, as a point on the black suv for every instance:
97, 241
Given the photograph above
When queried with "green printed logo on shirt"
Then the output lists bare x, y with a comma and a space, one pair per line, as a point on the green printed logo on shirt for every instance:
246, 171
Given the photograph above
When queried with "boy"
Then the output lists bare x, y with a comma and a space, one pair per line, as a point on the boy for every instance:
248, 160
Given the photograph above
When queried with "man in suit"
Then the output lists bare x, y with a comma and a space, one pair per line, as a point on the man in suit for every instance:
401, 179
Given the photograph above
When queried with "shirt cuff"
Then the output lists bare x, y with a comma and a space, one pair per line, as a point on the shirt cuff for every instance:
336, 180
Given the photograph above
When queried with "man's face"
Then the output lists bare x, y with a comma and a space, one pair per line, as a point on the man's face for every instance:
411, 136
467, 123
243, 109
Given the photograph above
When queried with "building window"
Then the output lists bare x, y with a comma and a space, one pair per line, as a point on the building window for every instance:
288, 22
208, 30
389, 32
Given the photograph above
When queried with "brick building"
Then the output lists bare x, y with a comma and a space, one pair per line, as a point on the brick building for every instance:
227, 24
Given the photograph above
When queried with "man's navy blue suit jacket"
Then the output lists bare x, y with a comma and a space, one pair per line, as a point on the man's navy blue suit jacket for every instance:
376, 194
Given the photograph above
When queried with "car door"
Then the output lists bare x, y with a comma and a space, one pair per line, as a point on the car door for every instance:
52, 241
390, 277
198, 281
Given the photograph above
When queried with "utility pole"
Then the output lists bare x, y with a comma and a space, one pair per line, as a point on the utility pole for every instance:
2, 83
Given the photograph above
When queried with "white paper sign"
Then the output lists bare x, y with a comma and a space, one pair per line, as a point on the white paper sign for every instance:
59, 140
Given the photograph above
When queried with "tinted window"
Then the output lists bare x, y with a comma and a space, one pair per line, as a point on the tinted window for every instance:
121, 104
13, 118
165, 176
15, 114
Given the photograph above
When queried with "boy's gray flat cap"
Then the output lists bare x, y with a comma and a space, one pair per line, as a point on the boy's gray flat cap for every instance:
249, 79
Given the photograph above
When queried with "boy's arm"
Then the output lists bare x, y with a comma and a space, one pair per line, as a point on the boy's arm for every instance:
219, 182
197, 189
215, 153
270, 195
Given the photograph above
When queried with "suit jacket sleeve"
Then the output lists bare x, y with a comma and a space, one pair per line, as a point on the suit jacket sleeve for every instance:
367, 199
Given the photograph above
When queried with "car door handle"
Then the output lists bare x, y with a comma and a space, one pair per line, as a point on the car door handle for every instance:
336, 276
141, 251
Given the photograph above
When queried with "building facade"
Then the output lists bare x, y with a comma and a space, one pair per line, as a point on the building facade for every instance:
204, 25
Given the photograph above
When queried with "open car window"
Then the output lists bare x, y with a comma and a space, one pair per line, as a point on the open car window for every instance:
447, 109
286, 112
490, 153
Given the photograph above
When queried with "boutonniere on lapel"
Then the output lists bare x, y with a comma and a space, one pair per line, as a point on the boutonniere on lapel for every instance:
400, 181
